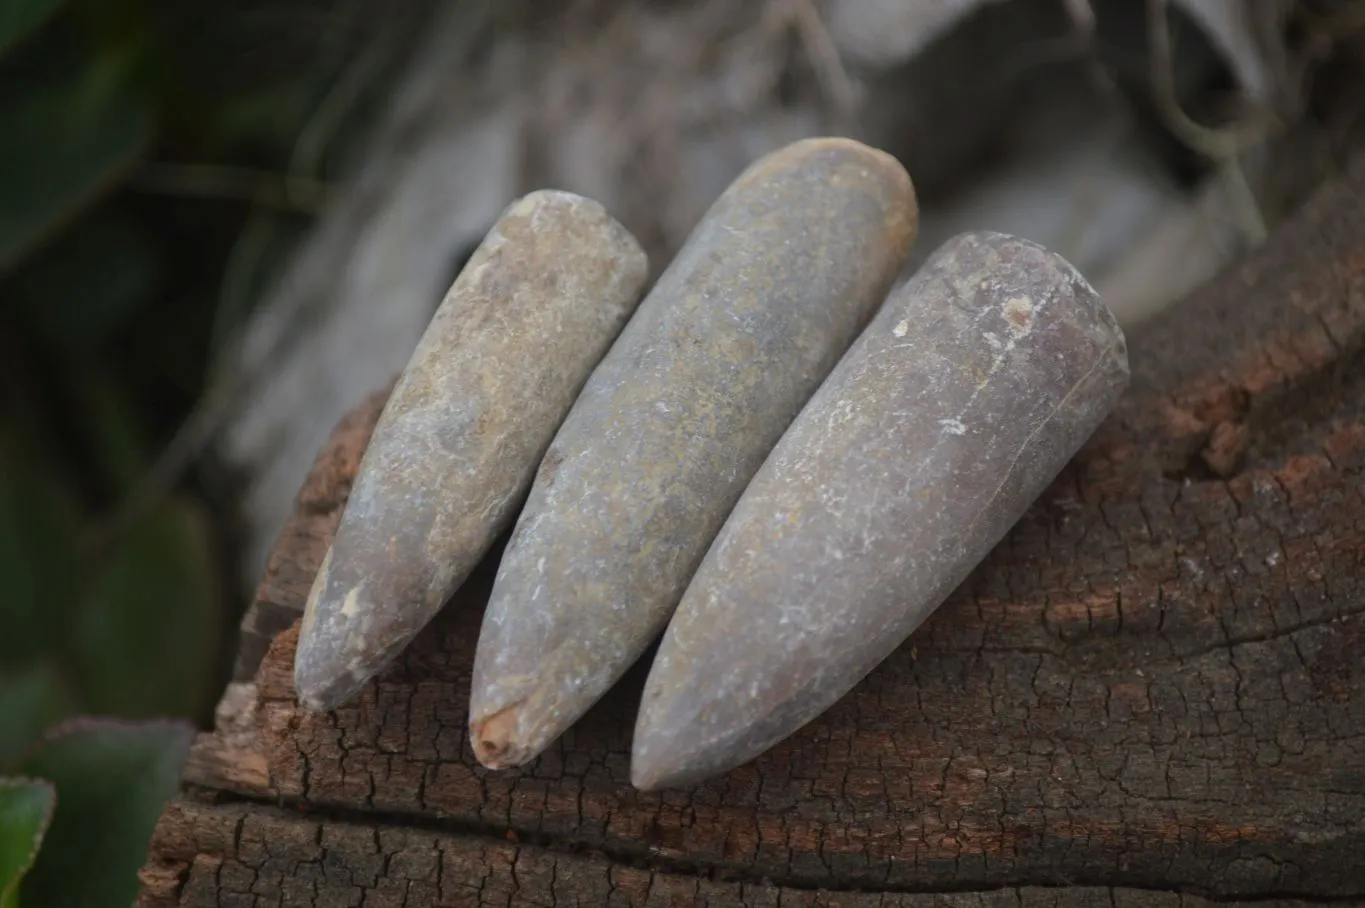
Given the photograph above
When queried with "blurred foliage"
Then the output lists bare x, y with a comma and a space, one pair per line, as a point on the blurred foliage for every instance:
26, 807
150, 177
112, 779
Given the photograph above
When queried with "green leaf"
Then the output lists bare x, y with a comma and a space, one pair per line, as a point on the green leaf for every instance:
64, 144
39, 560
19, 18
113, 780
31, 699
25, 812
147, 638
91, 279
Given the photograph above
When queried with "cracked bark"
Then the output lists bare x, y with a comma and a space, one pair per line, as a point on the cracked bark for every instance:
1150, 693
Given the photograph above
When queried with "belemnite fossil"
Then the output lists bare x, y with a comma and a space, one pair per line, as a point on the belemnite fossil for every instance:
767, 293
506, 353
966, 395
796, 496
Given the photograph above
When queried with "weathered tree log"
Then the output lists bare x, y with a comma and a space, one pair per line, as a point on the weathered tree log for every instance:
1151, 692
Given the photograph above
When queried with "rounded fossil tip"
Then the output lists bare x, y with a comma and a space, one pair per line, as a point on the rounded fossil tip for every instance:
498, 742
839, 153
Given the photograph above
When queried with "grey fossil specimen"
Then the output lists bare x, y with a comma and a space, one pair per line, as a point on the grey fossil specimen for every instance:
455, 449
765, 296
966, 395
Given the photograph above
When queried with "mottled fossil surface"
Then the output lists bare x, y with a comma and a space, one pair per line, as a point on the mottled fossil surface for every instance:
502, 361
973, 387
769, 290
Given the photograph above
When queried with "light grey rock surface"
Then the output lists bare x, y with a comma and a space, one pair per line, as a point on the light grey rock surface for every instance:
455, 449
769, 290
972, 388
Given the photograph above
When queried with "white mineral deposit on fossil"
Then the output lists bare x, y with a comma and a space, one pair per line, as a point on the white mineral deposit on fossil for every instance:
505, 355
768, 291
966, 395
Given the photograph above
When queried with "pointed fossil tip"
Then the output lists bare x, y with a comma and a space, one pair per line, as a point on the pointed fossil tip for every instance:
525, 693
686, 733
659, 767
497, 741
660, 758
345, 639
321, 693
320, 686
649, 777
314, 704
324, 677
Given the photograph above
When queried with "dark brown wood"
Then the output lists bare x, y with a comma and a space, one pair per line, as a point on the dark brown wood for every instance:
1154, 688
298, 552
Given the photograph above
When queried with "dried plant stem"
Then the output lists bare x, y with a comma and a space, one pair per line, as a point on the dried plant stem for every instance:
216, 181
803, 16
1223, 145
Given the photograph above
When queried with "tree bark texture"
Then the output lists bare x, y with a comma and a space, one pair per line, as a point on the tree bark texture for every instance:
1151, 693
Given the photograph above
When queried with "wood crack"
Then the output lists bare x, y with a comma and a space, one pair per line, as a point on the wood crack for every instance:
370, 824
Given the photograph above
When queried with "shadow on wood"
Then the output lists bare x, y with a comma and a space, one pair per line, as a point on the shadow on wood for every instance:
1152, 688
